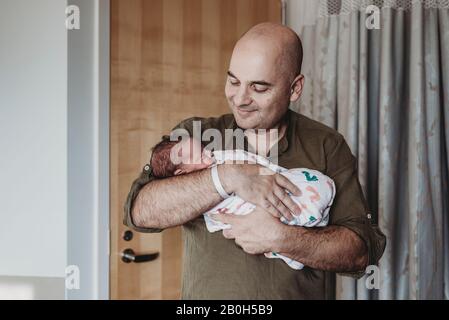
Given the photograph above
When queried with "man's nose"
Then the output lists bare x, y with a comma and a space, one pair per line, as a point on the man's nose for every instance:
242, 97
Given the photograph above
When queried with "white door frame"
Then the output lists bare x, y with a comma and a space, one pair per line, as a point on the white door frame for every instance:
88, 149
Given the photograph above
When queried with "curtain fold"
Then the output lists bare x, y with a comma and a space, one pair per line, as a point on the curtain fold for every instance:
387, 91
444, 52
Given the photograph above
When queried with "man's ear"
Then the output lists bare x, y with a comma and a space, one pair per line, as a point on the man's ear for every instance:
178, 172
296, 89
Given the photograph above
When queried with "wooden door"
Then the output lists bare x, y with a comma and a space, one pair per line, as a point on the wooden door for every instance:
168, 62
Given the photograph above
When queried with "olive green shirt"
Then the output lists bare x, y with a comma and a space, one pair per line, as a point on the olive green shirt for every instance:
216, 268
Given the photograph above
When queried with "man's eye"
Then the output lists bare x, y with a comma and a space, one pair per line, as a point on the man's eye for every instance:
234, 82
260, 89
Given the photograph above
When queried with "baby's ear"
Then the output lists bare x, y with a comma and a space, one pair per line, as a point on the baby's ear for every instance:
178, 172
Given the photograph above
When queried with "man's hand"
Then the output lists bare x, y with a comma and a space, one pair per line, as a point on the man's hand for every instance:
262, 187
331, 248
256, 232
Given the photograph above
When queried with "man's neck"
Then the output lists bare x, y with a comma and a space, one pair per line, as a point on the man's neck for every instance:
263, 140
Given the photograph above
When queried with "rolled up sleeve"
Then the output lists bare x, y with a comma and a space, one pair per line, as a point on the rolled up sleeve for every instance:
144, 178
350, 208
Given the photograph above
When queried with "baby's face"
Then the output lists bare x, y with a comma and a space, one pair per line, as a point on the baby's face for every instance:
193, 156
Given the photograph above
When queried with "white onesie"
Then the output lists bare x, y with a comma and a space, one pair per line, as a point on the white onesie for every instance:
318, 192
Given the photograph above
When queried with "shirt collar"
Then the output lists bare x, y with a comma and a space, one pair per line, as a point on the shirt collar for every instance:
283, 142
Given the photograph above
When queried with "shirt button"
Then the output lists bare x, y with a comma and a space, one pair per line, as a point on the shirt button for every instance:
369, 216
146, 168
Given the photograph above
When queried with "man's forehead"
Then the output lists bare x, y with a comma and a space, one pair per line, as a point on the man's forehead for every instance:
253, 64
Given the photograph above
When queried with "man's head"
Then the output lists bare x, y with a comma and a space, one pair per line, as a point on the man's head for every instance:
264, 75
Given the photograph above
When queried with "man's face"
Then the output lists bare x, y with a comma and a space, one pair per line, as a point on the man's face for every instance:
258, 92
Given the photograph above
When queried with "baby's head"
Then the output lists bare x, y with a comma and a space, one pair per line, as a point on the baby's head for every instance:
171, 158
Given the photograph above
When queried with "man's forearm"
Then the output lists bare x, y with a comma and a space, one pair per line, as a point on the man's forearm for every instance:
174, 201
331, 248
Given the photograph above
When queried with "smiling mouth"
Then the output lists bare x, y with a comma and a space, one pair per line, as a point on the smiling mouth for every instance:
245, 111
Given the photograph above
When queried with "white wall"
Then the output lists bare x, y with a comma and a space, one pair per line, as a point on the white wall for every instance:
31, 288
33, 138
54, 149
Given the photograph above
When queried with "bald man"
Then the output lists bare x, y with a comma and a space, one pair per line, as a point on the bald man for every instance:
264, 77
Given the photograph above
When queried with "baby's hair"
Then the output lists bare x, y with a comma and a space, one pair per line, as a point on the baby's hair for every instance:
161, 161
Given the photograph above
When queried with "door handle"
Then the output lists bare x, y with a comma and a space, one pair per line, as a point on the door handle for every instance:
128, 256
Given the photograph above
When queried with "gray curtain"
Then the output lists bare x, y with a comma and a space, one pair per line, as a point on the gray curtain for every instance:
387, 91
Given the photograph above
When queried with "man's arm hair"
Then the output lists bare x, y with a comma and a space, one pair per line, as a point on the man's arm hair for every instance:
332, 248
174, 201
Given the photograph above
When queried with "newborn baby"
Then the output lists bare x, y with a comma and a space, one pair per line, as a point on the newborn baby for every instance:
172, 158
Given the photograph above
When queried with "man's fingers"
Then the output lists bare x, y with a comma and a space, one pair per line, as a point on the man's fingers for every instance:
223, 217
288, 202
238, 244
228, 234
287, 184
280, 206
268, 206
